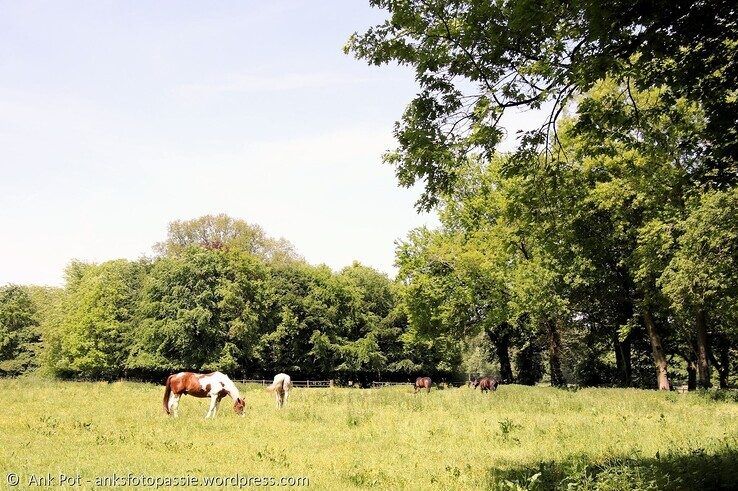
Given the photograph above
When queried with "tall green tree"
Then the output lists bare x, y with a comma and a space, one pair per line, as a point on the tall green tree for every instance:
200, 310
701, 279
475, 59
97, 320
19, 331
221, 231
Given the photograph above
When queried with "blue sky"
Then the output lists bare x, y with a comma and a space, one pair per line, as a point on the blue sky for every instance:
118, 117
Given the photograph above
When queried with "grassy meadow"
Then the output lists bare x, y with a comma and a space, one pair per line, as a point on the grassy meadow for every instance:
517, 438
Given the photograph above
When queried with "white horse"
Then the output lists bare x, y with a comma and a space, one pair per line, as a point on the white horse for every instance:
281, 388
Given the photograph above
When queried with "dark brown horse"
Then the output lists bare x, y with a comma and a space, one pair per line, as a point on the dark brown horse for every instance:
485, 383
422, 383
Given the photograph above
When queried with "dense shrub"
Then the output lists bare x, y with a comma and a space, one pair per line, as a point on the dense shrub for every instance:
19, 333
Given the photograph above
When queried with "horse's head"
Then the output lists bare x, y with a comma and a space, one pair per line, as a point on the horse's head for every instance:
239, 406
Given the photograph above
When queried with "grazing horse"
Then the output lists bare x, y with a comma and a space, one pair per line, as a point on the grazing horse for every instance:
281, 388
422, 383
214, 385
485, 383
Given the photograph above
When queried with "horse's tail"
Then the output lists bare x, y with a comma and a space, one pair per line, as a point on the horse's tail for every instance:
167, 393
276, 385
281, 383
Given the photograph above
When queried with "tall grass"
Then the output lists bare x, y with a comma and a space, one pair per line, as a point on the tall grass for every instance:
516, 438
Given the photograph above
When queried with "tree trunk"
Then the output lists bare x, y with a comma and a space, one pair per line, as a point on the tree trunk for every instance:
623, 347
554, 353
619, 363
622, 359
703, 359
723, 374
503, 354
691, 374
723, 363
500, 338
659, 359
530, 368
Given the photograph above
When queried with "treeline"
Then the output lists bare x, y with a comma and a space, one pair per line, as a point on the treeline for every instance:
595, 282
221, 295
603, 251
606, 245
494, 290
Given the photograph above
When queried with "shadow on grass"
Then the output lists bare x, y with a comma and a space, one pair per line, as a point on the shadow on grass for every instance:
720, 395
696, 470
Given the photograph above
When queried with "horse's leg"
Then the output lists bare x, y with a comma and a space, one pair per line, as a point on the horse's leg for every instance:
286, 396
278, 398
211, 411
170, 403
217, 403
174, 404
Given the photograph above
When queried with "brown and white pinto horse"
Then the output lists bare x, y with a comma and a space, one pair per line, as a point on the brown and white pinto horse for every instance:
214, 385
485, 383
422, 383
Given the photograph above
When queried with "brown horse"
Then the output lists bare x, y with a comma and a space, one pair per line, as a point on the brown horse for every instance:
214, 385
486, 383
422, 383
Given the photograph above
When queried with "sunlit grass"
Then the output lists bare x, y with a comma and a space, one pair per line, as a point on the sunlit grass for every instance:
390, 437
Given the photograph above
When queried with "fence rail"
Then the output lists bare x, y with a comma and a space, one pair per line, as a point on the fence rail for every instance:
376, 385
295, 383
314, 384
310, 384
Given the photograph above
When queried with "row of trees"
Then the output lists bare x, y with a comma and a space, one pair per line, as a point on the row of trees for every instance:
611, 233
603, 250
221, 295
598, 272
493, 290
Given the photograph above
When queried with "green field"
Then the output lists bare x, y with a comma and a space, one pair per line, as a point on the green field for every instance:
532, 437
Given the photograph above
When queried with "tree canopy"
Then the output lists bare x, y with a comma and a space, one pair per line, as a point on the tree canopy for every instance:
221, 231
19, 332
475, 59
230, 307
586, 236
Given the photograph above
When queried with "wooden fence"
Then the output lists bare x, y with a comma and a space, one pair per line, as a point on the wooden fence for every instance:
376, 385
315, 384
310, 384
